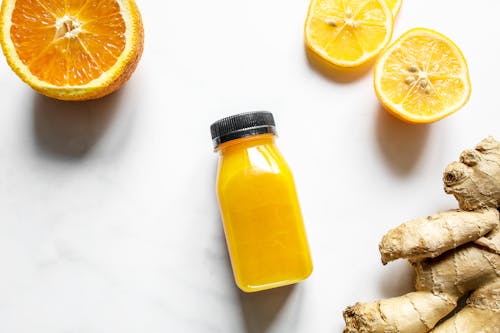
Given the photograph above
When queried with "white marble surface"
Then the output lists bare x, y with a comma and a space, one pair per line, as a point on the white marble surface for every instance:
108, 217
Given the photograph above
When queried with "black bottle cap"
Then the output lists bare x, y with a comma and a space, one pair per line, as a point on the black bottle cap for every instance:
242, 125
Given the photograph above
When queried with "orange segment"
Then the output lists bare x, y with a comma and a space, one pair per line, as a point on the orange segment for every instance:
348, 33
422, 77
72, 49
394, 6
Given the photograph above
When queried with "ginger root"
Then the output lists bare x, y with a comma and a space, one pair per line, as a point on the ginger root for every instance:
423, 238
453, 253
416, 312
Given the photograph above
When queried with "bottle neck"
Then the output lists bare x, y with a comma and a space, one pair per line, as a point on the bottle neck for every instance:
247, 142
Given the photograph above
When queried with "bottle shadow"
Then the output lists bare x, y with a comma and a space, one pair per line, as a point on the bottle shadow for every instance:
259, 309
262, 308
400, 143
69, 130
336, 74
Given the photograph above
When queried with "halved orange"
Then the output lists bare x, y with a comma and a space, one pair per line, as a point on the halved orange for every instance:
72, 49
348, 33
422, 77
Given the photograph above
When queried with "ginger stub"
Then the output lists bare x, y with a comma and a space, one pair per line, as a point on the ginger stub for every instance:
431, 236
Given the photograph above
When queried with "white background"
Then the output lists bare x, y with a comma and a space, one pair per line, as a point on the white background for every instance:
108, 216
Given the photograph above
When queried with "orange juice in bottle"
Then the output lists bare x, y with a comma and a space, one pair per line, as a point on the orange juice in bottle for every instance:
258, 202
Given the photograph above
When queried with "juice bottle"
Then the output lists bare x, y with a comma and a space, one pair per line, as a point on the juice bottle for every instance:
260, 210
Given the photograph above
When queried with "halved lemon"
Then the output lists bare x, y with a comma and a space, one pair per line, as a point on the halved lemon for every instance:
348, 33
422, 77
394, 6
72, 49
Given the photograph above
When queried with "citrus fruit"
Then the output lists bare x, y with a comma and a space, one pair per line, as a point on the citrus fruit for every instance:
422, 77
72, 49
348, 33
394, 6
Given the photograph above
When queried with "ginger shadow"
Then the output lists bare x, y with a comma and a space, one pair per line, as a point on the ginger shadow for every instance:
397, 279
401, 143
336, 74
69, 130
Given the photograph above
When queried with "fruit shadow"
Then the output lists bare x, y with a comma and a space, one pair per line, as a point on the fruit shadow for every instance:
69, 130
400, 143
336, 74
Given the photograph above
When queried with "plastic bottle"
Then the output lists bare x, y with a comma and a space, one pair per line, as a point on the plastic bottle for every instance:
260, 210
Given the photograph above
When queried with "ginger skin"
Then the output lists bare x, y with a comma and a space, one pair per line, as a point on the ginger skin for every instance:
475, 180
458, 271
453, 253
484, 303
